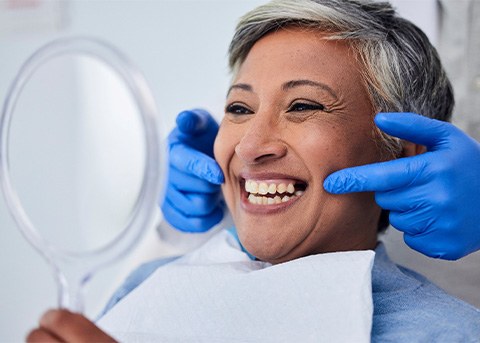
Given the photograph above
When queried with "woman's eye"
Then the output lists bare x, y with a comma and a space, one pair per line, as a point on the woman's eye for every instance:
301, 107
237, 109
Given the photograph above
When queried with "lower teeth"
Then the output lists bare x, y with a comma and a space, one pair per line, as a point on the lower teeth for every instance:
261, 200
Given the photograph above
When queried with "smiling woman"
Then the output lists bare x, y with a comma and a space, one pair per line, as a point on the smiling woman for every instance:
308, 78
301, 113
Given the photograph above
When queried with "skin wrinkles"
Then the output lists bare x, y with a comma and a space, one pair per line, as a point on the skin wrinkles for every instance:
309, 91
284, 69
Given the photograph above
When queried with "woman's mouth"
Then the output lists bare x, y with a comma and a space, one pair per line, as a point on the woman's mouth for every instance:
273, 191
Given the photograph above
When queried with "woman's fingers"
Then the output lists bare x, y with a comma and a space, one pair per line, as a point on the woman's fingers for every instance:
41, 335
63, 325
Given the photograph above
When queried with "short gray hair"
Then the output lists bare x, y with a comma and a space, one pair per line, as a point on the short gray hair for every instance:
401, 69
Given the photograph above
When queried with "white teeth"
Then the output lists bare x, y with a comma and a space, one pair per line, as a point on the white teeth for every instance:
251, 187
272, 188
281, 188
247, 186
290, 188
262, 188
262, 200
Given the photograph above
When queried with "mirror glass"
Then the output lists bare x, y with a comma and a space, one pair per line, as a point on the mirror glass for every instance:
77, 152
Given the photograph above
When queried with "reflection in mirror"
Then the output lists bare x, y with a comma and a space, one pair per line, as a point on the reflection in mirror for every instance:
81, 179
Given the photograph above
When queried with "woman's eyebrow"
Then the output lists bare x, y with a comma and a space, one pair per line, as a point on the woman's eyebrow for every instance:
242, 86
297, 83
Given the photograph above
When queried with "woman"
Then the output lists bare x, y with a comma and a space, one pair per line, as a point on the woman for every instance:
308, 79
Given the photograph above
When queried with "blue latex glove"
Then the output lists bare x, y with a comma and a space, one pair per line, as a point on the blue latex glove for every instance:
434, 198
193, 200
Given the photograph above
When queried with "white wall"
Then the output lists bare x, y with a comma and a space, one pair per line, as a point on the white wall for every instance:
180, 46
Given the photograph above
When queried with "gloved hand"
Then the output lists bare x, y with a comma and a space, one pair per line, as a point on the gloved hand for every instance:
193, 200
434, 198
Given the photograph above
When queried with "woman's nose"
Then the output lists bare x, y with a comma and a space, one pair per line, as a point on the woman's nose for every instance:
261, 142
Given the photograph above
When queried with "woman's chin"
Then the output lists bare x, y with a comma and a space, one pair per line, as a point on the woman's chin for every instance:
269, 250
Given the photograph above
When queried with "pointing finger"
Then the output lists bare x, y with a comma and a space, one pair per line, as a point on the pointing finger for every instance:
376, 177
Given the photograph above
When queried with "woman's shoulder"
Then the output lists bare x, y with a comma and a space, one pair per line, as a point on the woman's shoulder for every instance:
409, 307
134, 279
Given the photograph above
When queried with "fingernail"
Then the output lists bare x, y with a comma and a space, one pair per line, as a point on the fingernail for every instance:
48, 317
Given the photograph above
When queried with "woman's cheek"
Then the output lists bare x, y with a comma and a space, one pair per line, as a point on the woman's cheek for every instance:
224, 150
219, 147
224, 147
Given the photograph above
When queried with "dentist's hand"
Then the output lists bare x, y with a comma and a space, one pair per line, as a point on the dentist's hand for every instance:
434, 198
193, 200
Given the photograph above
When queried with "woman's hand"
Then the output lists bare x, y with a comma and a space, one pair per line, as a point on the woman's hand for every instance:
65, 326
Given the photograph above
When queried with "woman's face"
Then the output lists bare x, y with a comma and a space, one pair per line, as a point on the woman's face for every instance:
296, 112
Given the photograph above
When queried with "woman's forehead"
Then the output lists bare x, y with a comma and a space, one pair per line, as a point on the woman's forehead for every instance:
295, 54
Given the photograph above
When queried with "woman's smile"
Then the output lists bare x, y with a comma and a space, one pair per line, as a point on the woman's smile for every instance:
269, 193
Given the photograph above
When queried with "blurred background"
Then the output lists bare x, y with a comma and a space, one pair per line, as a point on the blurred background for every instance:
181, 48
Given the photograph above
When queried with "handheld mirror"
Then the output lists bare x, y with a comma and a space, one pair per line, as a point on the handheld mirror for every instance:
80, 158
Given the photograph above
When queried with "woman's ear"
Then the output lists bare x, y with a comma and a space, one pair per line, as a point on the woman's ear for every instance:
412, 149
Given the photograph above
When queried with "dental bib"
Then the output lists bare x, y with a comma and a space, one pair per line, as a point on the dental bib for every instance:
218, 294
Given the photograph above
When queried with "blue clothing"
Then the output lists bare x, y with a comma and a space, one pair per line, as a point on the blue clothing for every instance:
407, 307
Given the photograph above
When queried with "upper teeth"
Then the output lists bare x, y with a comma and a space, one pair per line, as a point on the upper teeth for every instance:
263, 188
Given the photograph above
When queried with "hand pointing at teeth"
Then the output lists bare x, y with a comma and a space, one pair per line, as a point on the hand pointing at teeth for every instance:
434, 198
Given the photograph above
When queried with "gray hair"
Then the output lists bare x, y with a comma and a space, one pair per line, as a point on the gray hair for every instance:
401, 69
